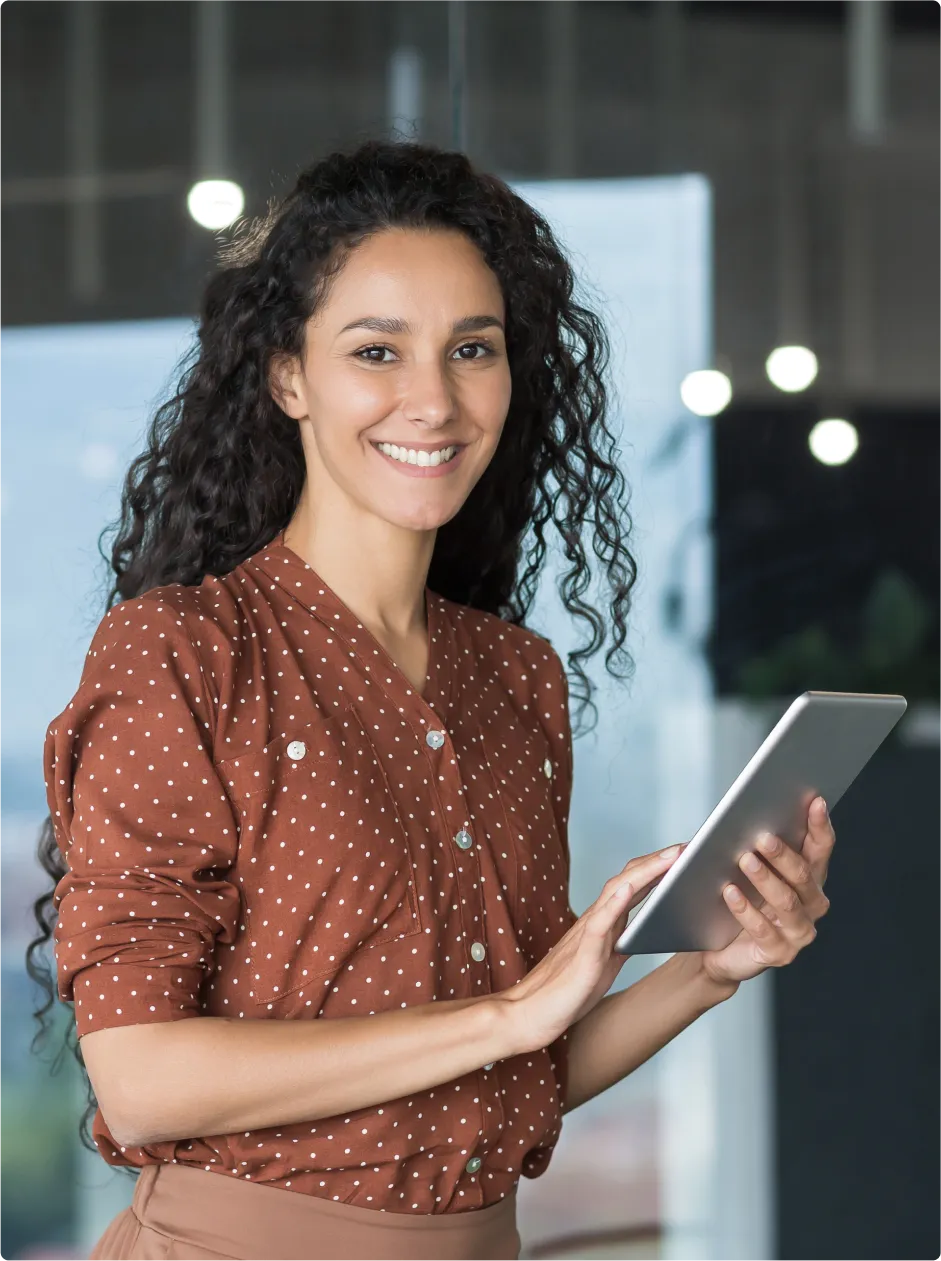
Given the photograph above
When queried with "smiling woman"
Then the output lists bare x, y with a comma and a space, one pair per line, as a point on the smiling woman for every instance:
317, 769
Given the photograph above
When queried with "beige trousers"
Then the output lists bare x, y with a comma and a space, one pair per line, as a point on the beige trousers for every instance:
180, 1213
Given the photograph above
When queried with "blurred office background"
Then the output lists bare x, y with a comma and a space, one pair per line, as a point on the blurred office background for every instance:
751, 191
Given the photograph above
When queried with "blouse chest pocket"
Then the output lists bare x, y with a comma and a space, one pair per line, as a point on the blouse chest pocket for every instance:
324, 860
525, 776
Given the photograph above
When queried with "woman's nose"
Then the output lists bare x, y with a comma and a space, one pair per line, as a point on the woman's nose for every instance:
428, 393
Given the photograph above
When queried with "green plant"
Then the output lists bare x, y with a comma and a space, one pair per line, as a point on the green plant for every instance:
895, 652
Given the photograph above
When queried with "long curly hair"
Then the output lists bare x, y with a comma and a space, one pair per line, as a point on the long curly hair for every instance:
224, 467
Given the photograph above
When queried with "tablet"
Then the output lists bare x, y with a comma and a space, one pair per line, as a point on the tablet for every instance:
817, 748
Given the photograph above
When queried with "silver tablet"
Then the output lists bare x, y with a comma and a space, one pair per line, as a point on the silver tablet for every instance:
817, 748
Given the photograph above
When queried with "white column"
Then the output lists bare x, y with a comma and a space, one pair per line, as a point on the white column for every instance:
668, 55
405, 91
83, 142
791, 221
457, 73
716, 1078
866, 69
561, 72
212, 139
405, 73
744, 1033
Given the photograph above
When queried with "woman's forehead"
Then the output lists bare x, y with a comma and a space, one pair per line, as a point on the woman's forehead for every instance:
419, 289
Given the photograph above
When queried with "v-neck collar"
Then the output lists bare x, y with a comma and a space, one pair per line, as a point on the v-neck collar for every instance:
302, 583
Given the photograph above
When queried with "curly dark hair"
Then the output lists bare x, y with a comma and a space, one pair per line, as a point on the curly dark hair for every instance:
224, 467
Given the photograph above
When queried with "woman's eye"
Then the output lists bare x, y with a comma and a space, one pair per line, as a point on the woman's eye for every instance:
368, 350
484, 346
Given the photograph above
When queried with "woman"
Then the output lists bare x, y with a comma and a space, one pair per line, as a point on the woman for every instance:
309, 802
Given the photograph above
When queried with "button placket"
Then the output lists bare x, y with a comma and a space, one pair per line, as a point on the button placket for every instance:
492, 1117
464, 874
448, 790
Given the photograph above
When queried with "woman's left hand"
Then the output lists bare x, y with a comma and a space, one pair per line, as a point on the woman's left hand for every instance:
792, 886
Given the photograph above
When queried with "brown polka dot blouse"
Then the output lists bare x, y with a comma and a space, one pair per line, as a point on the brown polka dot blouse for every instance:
263, 819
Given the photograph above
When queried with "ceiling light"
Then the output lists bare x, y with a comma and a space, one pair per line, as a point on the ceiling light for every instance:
833, 441
706, 392
791, 368
215, 203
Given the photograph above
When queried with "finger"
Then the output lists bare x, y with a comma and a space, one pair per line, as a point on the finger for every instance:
612, 911
619, 898
647, 870
642, 860
770, 942
611, 907
820, 839
791, 916
644, 870
796, 869
635, 882
647, 875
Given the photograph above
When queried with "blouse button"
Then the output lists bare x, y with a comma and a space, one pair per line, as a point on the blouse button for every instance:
435, 739
547, 768
463, 839
473, 1164
478, 951
297, 749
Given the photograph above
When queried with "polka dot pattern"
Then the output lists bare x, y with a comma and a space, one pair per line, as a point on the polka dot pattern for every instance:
264, 819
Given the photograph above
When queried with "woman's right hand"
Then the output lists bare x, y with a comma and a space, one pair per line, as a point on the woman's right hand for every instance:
580, 969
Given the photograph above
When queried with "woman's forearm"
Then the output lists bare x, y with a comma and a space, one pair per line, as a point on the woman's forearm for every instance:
216, 1075
626, 1028
282, 1071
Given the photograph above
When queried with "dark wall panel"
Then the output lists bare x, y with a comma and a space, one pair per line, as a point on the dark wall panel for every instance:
856, 1032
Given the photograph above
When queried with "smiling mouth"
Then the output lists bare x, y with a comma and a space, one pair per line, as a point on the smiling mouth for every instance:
418, 457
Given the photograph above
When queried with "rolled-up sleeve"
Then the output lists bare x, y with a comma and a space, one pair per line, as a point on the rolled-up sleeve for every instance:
144, 824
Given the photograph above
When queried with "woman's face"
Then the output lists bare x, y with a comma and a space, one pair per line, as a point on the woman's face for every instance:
425, 368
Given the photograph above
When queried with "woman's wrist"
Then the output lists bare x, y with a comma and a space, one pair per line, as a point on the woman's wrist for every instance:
509, 1024
714, 989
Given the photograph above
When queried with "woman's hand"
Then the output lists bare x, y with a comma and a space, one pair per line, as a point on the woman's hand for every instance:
580, 968
792, 885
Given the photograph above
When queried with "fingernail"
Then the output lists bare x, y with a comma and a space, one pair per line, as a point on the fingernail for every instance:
821, 808
750, 862
734, 895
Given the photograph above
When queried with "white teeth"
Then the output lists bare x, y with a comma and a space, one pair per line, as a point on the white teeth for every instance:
406, 455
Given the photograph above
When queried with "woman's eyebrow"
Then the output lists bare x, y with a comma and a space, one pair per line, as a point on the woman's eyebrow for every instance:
391, 324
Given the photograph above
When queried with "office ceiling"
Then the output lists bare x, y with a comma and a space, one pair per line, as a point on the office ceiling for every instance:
904, 15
